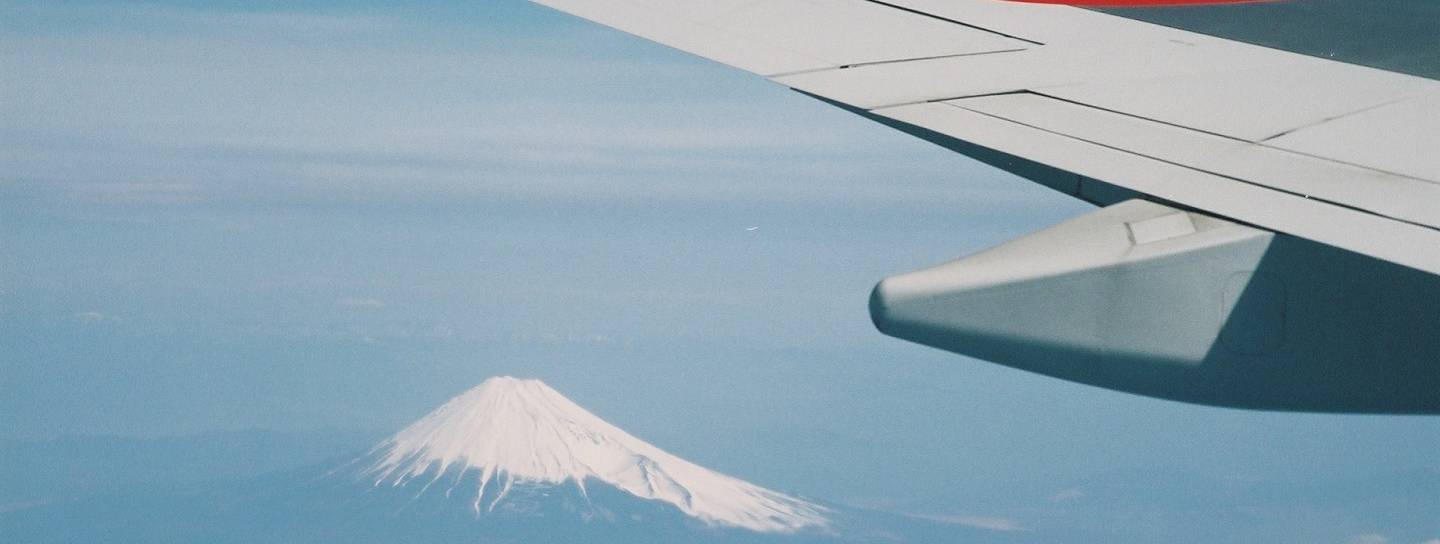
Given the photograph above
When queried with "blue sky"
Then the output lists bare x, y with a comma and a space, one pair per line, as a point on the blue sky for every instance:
338, 215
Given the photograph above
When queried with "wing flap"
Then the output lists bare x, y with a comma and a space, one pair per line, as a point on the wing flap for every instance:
1375, 192
1252, 103
1401, 137
1225, 88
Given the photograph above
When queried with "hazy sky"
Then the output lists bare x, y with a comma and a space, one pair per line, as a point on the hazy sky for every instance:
311, 215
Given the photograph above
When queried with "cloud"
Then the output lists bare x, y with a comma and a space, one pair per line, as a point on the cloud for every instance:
1067, 495
136, 192
979, 522
354, 302
393, 111
1368, 539
91, 316
1432, 541
239, 22
552, 338
23, 505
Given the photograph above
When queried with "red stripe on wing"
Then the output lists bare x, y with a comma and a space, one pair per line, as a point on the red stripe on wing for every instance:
1140, 3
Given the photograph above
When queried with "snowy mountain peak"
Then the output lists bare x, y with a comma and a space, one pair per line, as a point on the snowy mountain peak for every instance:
509, 431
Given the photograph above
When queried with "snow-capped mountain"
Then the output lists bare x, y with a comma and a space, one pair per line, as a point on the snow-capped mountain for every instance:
508, 444
508, 462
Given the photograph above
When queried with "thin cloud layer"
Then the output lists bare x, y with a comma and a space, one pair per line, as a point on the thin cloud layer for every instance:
181, 104
979, 522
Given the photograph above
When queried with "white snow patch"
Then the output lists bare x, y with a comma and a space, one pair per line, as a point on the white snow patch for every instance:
522, 431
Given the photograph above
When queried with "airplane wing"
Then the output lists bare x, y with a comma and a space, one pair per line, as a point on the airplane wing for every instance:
1271, 236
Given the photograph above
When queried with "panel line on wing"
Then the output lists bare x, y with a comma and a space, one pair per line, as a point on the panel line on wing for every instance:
896, 61
1171, 124
953, 21
1187, 166
1338, 117
1260, 142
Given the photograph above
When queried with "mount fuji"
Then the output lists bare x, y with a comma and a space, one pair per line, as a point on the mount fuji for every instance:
512, 448
509, 461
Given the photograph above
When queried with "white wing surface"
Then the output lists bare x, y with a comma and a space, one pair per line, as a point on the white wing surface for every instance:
1271, 230
1332, 152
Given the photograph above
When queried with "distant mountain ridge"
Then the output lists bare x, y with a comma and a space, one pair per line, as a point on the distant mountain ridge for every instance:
71, 467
